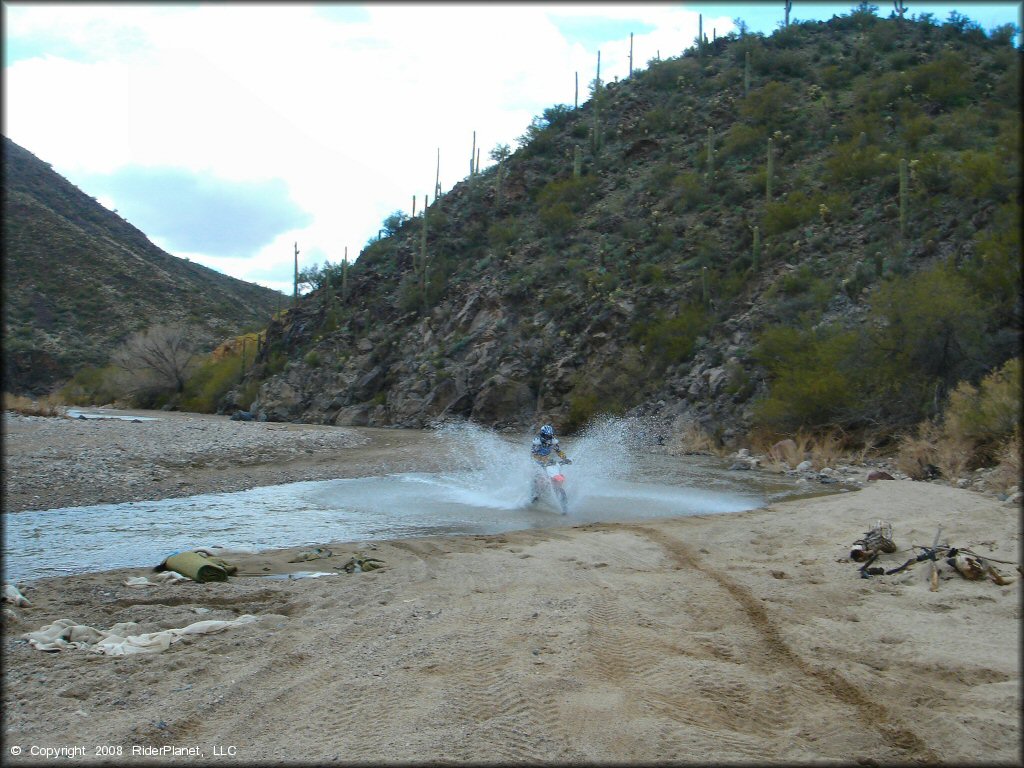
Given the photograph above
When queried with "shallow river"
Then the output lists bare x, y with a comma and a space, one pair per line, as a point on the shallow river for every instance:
488, 490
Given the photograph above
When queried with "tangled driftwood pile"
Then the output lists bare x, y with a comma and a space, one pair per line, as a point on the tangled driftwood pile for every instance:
966, 562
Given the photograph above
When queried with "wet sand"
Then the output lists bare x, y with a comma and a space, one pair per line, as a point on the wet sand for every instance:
739, 638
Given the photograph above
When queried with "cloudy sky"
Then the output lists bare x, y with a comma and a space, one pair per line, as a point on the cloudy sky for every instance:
227, 132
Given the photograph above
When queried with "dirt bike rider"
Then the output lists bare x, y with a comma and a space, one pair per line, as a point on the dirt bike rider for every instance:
545, 444
543, 450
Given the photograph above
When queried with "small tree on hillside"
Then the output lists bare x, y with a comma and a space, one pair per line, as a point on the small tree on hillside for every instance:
156, 360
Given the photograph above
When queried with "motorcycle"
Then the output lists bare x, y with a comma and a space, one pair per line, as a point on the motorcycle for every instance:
554, 477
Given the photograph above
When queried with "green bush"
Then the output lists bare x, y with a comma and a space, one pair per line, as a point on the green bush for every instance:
795, 209
742, 140
669, 340
987, 415
980, 175
814, 378
852, 161
93, 386
945, 81
557, 219
927, 333
769, 106
211, 381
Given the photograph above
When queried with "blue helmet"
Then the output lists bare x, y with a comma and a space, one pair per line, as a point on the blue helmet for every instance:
547, 431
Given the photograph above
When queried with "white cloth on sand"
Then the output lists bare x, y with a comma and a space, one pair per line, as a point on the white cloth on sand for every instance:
155, 580
119, 640
12, 595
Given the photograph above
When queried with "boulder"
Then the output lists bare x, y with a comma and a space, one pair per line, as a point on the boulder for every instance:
879, 475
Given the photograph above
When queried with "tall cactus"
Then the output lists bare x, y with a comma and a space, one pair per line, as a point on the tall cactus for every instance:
903, 197
746, 73
771, 170
704, 285
756, 264
595, 132
423, 254
577, 161
710, 175
789, 7
437, 179
344, 276
295, 284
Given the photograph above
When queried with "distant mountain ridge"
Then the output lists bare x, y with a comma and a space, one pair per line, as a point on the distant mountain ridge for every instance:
78, 279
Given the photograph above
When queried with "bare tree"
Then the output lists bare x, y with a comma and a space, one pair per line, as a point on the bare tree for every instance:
159, 357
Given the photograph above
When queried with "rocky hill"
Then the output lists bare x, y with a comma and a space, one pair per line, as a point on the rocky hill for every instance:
78, 279
819, 227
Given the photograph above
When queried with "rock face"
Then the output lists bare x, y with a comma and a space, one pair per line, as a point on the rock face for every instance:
630, 287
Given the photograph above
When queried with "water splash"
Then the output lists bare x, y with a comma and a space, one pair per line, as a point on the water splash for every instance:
487, 488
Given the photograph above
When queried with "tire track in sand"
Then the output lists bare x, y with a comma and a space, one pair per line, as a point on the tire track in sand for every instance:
898, 736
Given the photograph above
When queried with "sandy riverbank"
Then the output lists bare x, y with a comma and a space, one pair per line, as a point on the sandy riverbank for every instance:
732, 638
62, 462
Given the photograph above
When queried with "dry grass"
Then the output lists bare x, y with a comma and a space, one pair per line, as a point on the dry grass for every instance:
828, 448
50, 405
695, 439
1007, 474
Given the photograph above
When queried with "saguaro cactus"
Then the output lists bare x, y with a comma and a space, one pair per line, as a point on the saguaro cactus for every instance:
756, 263
423, 254
437, 179
704, 285
711, 156
344, 276
595, 132
295, 284
746, 73
903, 197
770, 172
789, 7
577, 161
630, 54
472, 157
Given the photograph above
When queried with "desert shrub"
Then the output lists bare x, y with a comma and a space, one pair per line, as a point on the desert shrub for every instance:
985, 416
814, 377
795, 209
921, 455
927, 332
1008, 467
312, 359
212, 379
945, 81
656, 120
931, 174
48, 405
688, 192
671, 339
93, 386
651, 274
915, 129
995, 273
854, 161
834, 77
742, 140
980, 175
769, 106
557, 219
